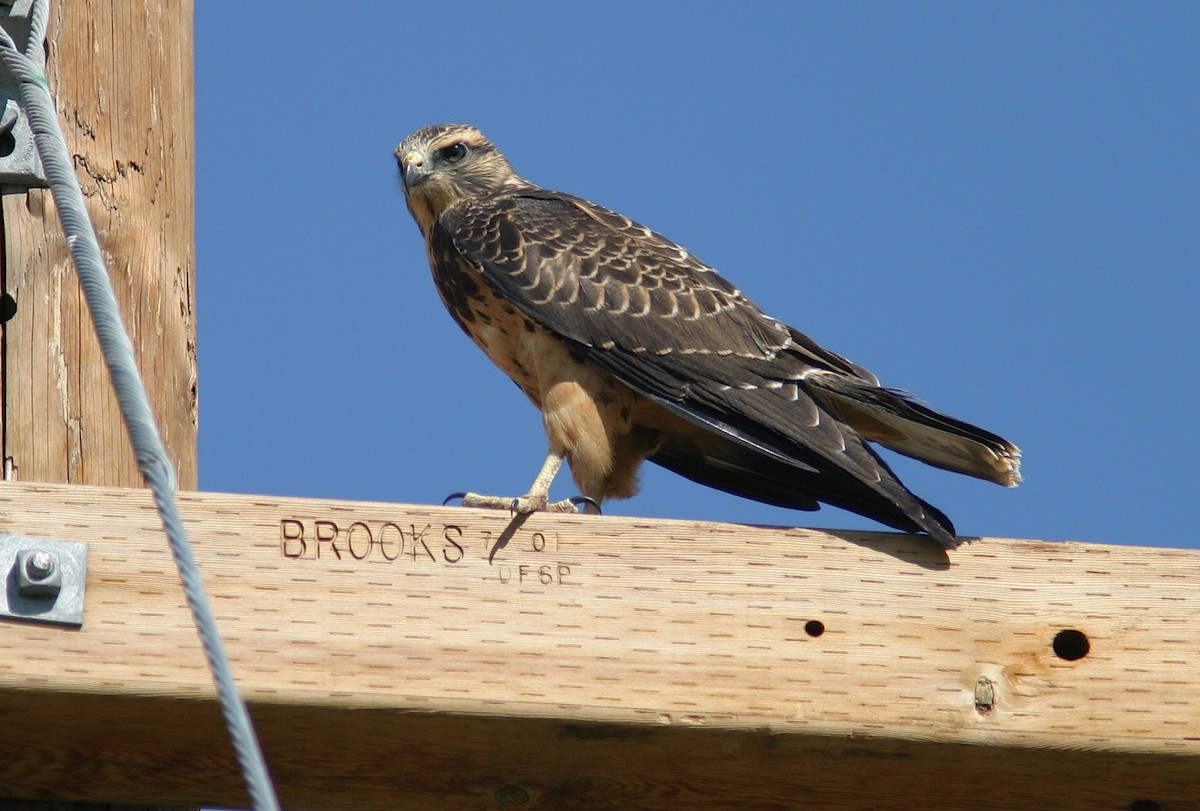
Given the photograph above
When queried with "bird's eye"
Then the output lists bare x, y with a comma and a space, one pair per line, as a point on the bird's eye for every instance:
453, 153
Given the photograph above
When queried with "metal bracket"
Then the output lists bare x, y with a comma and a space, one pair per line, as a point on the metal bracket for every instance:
44, 580
19, 162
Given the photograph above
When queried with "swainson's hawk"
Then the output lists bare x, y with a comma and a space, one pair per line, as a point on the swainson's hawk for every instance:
634, 349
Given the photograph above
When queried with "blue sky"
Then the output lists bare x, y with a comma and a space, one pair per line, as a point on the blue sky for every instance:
993, 206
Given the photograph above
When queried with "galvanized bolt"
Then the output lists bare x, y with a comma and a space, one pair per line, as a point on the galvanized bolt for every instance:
41, 564
39, 574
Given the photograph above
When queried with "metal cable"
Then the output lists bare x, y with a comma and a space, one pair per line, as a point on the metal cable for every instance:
152, 457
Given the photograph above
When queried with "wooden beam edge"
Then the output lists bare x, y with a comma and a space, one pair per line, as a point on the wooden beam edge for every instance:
394, 616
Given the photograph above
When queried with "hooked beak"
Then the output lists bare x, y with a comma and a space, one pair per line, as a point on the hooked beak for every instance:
412, 169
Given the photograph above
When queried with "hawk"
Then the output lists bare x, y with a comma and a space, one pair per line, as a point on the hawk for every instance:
634, 349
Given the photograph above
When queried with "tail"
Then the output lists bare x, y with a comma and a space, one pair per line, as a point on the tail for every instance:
718, 460
895, 420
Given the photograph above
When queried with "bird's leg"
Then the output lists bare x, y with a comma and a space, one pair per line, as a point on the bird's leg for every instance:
538, 497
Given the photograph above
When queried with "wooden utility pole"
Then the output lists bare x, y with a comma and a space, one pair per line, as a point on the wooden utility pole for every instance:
122, 78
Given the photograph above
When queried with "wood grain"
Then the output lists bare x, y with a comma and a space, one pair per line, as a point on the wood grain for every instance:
400, 656
122, 78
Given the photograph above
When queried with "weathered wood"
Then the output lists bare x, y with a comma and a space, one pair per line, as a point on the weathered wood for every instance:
399, 656
122, 78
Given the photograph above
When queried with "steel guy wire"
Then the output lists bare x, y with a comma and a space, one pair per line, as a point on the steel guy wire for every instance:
152, 457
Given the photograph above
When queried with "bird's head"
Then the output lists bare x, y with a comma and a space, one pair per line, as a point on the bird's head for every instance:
446, 164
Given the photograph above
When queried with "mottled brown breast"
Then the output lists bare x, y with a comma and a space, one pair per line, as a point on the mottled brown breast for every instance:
495, 325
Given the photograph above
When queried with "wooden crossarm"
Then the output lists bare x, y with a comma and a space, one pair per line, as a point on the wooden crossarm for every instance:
401, 656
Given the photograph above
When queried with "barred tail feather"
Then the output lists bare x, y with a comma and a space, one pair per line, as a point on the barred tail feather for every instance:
896, 421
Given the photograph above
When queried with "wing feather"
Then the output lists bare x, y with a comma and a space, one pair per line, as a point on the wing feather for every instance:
671, 328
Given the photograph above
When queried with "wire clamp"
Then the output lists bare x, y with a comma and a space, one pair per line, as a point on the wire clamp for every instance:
19, 162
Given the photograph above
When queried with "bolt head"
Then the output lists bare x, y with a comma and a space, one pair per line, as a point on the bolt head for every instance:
39, 573
40, 565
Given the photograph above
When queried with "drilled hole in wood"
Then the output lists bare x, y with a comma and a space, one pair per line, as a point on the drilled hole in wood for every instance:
814, 628
1071, 645
1145, 805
